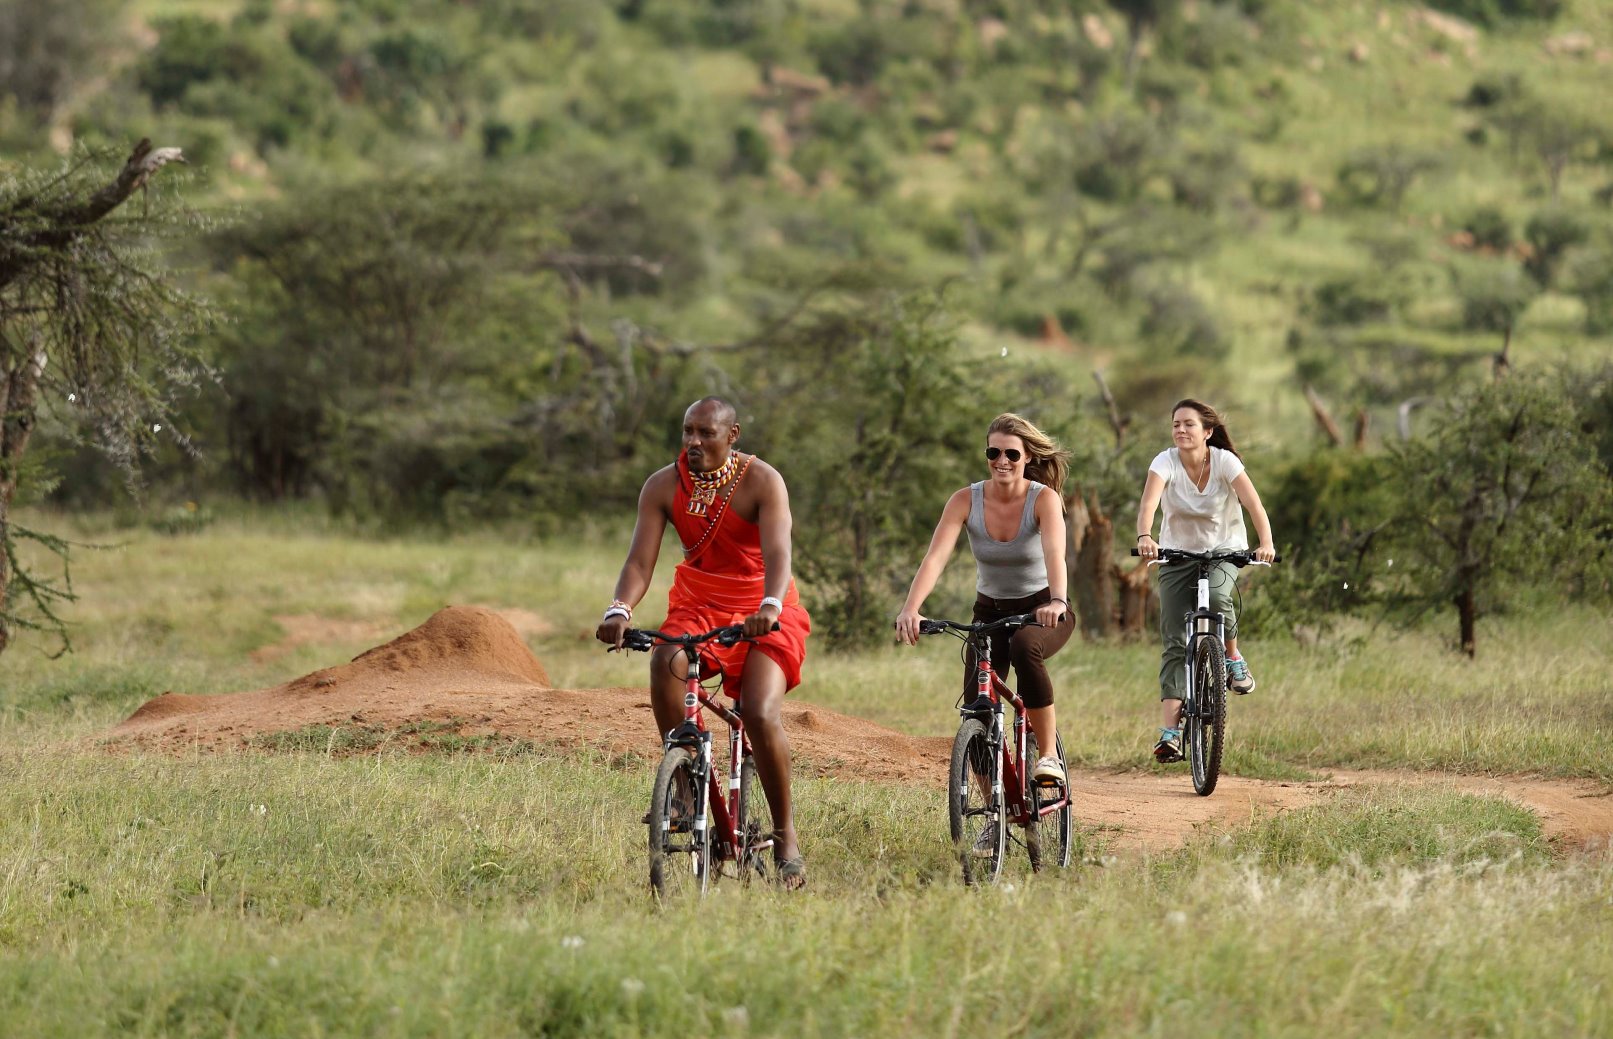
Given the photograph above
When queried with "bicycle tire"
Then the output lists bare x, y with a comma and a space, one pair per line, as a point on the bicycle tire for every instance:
1207, 725
750, 858
680, 857
1059, 828
975, 764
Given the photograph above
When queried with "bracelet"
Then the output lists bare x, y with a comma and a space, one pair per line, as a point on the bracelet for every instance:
1144, 535
1062, 599
768, 600
618, 608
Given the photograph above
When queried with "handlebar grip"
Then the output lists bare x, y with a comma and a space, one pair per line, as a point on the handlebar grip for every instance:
929, 627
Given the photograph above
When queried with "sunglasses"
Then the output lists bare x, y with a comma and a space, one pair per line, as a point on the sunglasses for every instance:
1013, 453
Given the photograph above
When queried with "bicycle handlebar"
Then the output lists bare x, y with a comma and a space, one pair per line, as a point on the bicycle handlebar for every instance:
935, 627
644, 639
1244, 558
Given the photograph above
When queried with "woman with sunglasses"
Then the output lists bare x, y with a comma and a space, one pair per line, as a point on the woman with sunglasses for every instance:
1015, 521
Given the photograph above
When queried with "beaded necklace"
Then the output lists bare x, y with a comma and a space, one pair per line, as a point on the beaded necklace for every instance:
704, 486
689, 554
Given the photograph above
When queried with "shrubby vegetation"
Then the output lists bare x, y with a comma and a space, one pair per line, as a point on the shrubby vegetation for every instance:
467, 253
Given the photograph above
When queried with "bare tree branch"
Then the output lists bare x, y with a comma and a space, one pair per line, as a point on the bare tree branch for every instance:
1323, 418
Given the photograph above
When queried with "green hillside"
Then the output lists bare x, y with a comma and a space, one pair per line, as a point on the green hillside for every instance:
464, 252
1194, 215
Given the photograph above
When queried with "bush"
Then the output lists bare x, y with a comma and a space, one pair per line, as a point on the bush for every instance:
49, 47
752, 153
853, 53
1493, 12
1382, 176
1177, 321
865, 502
1357, 299
1550, 234
1489, 227
1221, 35
1590, 276
1493, 89
1493, 294
1116, 154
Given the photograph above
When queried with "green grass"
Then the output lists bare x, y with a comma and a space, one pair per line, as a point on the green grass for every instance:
424, 895
349, 881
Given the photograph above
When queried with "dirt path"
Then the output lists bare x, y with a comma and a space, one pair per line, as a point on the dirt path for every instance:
468, 671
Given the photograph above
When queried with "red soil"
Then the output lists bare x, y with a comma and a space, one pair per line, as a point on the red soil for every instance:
467, 670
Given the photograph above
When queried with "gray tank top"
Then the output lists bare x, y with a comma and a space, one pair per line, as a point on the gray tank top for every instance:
1008, 569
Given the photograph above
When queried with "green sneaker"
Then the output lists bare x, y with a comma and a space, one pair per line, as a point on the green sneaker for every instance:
1169, 747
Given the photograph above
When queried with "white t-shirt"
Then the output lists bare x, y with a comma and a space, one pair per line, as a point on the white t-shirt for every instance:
1210, 520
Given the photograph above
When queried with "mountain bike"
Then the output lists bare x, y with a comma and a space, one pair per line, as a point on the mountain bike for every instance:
693, 828
989, 784
1204, 707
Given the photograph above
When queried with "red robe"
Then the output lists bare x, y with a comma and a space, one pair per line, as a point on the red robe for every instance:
722, 581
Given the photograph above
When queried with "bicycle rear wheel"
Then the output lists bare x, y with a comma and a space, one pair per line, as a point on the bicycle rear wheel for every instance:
979, 833
1207, 723
680, 857
1047, 837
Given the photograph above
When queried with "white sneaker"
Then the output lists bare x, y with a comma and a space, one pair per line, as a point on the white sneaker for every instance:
1050, 768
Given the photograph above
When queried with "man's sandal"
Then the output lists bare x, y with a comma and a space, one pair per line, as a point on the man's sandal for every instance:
791, 873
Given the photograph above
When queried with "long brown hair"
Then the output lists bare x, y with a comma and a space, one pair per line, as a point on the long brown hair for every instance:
1046, 462
1219, 437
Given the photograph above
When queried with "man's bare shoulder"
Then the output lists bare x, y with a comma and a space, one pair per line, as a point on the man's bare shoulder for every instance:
660, 484
764, 471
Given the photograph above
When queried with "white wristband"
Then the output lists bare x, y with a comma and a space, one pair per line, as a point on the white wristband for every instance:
771, 601
617, 611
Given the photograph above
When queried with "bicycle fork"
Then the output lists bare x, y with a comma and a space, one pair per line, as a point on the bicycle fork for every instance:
1197, 628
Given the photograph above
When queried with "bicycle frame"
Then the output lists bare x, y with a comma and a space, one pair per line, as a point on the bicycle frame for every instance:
1010, 778
713, 808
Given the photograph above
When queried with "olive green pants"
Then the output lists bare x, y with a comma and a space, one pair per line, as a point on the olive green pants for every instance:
1178, 596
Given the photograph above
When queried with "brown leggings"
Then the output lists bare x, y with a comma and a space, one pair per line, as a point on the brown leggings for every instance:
1025, 650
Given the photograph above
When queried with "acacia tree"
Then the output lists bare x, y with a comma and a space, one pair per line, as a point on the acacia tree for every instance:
1502, 484
93, 330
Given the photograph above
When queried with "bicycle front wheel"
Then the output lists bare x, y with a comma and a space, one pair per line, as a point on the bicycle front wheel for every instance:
1047, 837
1207, 722
753, 859
680, 856
974, 812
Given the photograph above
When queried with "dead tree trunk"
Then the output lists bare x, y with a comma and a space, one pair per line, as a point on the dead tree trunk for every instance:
1467, 615
1139, 603
1093, 577
1324, 418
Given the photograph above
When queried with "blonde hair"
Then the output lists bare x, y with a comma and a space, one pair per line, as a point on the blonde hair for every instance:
1047, 463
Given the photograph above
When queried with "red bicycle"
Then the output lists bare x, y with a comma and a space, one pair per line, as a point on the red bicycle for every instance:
689, 816
989, 785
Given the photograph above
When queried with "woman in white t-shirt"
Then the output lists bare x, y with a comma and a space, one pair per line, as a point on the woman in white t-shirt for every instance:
1201, 483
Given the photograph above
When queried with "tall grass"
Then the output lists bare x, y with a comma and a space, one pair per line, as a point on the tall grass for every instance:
465, 895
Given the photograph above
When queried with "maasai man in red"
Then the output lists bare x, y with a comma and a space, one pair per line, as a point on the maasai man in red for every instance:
732, 513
